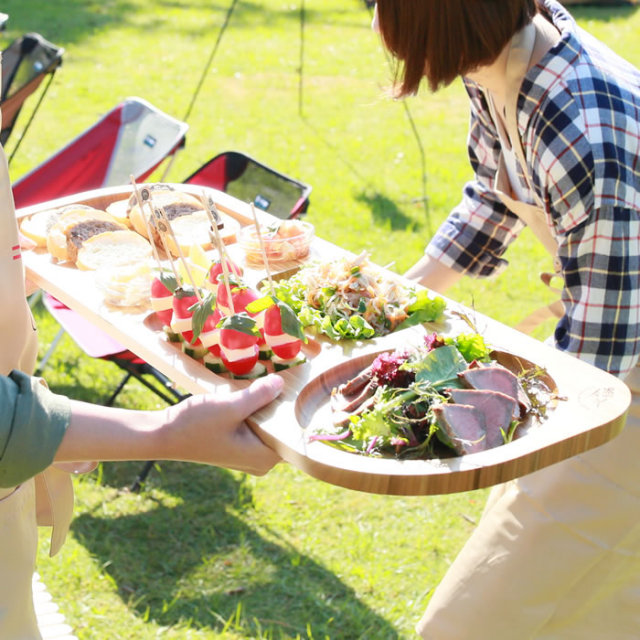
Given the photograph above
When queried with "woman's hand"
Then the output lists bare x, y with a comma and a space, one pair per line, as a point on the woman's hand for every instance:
211, 428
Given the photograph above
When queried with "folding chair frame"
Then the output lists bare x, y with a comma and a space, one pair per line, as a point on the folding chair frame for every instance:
13, 101
216, 174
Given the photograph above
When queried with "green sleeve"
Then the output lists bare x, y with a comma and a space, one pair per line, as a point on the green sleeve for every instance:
33, 421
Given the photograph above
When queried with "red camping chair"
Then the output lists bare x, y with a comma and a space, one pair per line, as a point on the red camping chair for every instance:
132, 139
26, 62
249, 180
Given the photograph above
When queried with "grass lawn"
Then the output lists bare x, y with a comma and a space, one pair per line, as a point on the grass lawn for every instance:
207, 553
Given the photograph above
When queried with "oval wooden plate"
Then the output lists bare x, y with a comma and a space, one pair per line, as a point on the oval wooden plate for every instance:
590, 411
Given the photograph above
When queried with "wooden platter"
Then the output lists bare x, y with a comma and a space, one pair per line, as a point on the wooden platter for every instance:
591, 411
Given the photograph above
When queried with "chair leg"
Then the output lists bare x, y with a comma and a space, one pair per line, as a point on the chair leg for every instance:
142, 476
112, 398
164, 389
166, 384
50, 350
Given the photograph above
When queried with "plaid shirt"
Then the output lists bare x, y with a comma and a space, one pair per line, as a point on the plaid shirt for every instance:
579, 121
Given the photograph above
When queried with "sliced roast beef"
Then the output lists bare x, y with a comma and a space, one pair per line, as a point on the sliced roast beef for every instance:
177, 209
463, 426
497, 407
495, 378
350, 403
357, 383
342, 418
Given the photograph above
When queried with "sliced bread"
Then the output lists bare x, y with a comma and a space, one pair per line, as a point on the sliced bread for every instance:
188, 219
113, 249
37, 226
74, 226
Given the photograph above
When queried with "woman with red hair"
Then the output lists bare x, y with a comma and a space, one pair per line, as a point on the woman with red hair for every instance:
554, 143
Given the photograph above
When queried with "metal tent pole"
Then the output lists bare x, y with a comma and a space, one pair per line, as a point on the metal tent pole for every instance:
210, 60
301, 65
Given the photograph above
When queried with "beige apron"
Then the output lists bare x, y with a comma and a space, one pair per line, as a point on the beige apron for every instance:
532, 214
48, 497
556, 555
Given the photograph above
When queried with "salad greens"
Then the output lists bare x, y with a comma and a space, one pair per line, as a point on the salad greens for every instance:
408, 384
350, 299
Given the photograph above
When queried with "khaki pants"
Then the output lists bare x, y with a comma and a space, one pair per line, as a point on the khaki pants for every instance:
556, 555
18, 545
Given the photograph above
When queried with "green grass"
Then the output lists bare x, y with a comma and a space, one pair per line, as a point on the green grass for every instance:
207, 553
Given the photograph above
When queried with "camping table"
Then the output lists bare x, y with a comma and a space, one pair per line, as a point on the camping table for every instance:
591, 411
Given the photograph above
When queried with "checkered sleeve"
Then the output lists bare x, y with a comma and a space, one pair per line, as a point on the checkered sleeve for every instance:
601, 295
478, 231
589, 195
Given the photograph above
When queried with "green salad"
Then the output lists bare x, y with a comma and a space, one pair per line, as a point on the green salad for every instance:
350, 298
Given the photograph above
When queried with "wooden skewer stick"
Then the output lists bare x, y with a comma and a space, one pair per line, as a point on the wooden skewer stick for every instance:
212, 213
164, 226
219, 244
262, 249
154, 248
145, 196
214, 217
164, 220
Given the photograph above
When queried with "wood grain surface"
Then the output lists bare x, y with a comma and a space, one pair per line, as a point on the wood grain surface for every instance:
591, 411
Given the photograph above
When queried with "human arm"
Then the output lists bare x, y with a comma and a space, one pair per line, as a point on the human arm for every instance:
38, 427
476, 234
207, 428
433, 274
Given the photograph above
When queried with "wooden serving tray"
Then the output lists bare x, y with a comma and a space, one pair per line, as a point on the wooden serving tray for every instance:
591, 410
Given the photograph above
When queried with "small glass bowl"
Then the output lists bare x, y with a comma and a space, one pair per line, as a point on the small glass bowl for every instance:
125, 286
284, 241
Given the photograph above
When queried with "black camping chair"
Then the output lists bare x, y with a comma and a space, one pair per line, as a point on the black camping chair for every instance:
248, 179
26, 62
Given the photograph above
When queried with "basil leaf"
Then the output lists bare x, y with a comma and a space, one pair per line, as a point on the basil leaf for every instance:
290, 323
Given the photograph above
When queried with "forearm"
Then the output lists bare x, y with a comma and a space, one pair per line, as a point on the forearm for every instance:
204, 428
434, 275
105, 433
